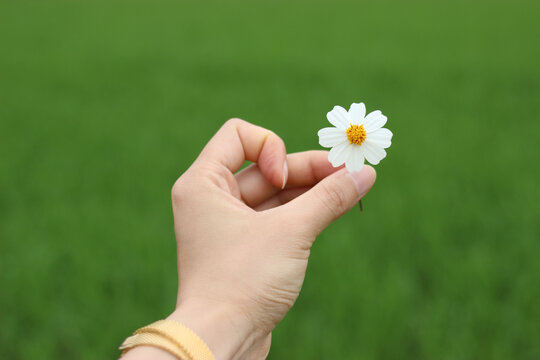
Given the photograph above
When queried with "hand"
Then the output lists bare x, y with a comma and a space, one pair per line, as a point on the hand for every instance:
243, 242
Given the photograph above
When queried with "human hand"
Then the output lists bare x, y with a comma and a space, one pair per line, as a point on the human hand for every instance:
243, 242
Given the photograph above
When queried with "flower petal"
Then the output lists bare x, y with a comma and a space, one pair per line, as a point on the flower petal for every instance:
339, 117
381, 137
355, 162
339, 154
373, 153
330, 136
357, 112
374, 120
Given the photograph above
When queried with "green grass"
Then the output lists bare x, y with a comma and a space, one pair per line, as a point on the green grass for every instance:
104, 104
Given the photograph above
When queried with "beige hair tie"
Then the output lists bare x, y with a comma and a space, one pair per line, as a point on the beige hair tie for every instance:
172, 337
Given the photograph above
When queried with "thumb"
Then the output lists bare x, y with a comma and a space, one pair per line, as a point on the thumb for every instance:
330, 199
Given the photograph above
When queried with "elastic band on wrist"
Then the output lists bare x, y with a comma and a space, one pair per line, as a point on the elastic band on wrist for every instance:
154, 340
187, 344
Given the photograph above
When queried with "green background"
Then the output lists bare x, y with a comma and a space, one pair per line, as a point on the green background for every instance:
104, 104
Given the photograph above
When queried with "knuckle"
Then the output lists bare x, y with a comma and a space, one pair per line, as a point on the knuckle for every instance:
273, 140
275, 137
178, 192
233, 122
334, 198
271, 134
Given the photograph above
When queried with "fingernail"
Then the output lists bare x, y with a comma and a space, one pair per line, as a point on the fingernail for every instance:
285, 174
363, 179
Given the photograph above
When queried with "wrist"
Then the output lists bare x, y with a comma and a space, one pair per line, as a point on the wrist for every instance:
228, 333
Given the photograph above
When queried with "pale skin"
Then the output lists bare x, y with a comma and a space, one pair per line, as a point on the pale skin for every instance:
243, 241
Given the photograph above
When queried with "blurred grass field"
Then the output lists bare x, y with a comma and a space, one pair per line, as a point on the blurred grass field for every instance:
104, 104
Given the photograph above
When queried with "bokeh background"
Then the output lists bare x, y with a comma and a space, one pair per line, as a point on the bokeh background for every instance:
103, 104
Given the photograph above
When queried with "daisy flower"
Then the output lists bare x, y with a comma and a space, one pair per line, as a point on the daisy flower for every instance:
355, 137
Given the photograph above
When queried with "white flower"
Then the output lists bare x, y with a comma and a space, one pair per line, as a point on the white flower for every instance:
355, 137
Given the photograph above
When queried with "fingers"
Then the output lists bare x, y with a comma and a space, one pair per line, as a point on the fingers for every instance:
281, 198
305, 169
238, 141
329, 199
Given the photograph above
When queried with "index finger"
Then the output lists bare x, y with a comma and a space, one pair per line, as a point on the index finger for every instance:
237, 141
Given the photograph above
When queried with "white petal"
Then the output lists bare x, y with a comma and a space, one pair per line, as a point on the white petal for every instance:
374, 120
381, 137
355, 162
329, 137
339, 153
357, 112
339, 117
373, 153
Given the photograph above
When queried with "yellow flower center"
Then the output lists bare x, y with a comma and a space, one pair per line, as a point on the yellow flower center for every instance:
356, 134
